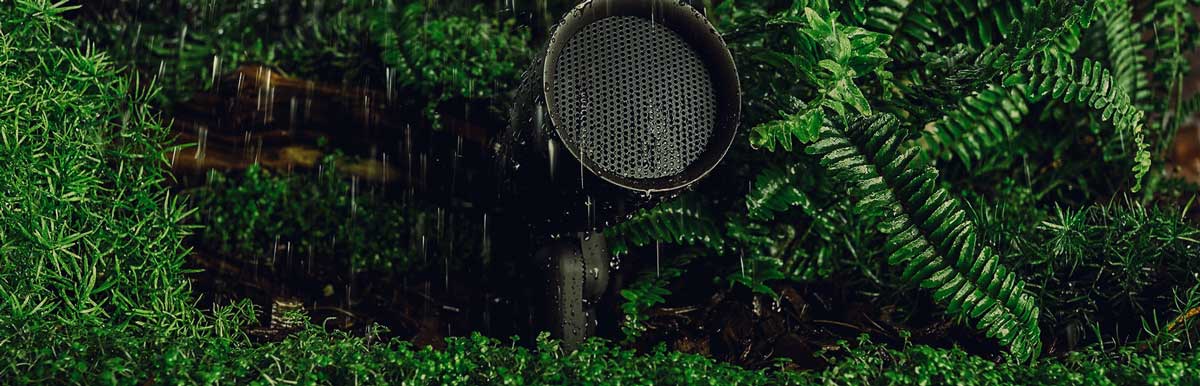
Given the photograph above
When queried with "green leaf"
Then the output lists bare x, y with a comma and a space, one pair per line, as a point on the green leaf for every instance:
938, 251
804, 128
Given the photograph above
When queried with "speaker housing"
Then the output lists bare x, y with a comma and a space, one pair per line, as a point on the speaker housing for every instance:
689, 66
559, 190
541, 163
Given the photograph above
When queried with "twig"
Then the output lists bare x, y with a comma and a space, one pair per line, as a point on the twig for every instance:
1183, 318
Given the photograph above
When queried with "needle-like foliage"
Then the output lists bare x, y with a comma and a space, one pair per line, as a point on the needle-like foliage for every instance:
90, 236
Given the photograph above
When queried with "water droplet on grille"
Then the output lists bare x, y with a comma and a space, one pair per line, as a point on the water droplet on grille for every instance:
634, 98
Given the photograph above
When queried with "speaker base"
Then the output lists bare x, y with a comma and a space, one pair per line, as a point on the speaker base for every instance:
577, 272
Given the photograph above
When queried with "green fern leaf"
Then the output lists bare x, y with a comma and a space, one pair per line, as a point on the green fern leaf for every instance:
1055, 76
1175, 36
885, 16
928, 233
1125, 45
979, 123
982, 24
647, 290
932, 24
1189, 107
774, 191
950, 74
759, 255
680, 221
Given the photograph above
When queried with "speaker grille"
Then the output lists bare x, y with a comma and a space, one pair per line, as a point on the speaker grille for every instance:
633, 98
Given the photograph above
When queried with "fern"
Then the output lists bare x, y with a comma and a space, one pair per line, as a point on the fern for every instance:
979, 25
941, 79
1189, 107
1124, 41
1175, 34
648, 290
980, 123
934, 23
990, 116
774, 191
1055, 76
759, 255
928, 233
680, 221
885, 16
911, 27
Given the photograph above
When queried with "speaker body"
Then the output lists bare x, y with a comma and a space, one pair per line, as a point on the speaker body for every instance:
630, 103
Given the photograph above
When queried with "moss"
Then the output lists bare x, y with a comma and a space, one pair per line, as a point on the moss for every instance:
313, 356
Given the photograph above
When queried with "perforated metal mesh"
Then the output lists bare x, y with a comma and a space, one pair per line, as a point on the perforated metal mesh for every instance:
633, 97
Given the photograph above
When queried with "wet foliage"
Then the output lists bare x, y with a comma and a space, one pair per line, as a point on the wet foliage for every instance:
919, 125
417, 48
922, 192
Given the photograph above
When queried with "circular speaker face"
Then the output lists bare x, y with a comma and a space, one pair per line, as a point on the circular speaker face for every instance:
643, 93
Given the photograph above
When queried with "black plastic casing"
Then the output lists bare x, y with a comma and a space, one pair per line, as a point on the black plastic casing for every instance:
541, 178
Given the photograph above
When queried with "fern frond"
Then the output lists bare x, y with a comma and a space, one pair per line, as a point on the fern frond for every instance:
774, 191
760, 254
1125, 47
648, 290
682, 220
979, 123
886, 16
928, 233
1175, 35
856, 10
975, 23
985, 23
1189, 107
1055, 76
947, 76
991, 114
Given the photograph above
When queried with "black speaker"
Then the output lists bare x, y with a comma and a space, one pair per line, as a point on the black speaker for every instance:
630, 102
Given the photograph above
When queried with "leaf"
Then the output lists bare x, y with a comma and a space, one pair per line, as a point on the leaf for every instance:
1092, 86
819, 28
804, 128
854, 97
683, 220
927, 231
774, 191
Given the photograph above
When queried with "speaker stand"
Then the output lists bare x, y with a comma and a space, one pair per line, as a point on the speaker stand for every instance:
577, 276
